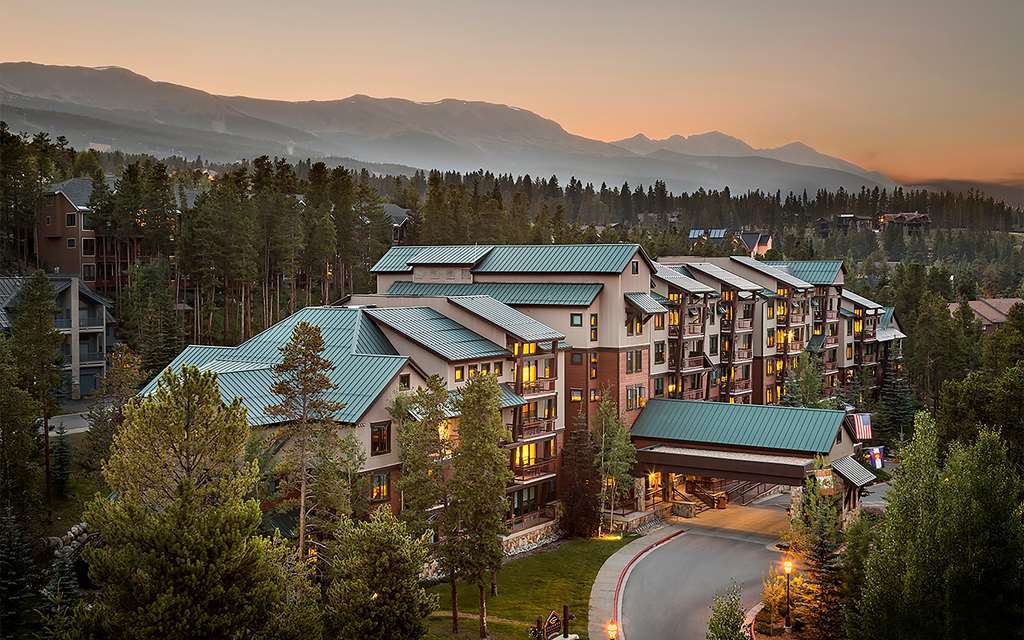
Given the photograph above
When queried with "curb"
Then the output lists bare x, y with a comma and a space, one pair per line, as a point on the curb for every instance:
624, 574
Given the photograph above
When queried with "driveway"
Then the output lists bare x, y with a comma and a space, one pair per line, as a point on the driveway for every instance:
73, 422
668, 592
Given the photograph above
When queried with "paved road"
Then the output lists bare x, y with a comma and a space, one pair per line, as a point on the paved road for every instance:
75, 423
668, 592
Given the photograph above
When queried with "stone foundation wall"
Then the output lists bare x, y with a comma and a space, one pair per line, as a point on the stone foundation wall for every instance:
530, 539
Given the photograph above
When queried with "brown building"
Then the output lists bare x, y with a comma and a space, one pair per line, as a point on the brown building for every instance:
990, 312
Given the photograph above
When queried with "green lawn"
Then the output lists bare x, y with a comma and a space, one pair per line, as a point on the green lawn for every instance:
533, 586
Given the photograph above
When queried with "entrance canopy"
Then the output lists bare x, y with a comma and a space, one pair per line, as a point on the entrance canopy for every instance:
770, 444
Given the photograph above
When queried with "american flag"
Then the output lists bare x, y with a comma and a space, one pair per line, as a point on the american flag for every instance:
862, 426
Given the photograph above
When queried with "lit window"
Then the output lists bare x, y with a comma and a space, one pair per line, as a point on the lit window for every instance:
576, 395
594, 395
380, 438
659, 321
403, 382
497, 368
576, 319
472, 370
593, 327
381, 490
485, 368
459, 374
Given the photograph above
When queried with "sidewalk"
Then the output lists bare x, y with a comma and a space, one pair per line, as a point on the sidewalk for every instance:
602, 594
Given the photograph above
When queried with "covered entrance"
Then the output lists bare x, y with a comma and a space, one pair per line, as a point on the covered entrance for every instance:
693, 456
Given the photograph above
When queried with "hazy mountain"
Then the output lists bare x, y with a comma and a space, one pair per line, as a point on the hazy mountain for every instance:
716, 143
114, 107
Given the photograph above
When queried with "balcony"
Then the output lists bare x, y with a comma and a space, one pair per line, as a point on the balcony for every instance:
831, 367
742, 354
866, 334
673, 330
62, 323
694, 329
831, 314
792, 346
739, 386
831, 341
536, 427
692, 394
546, 513
797, 318
90, 321
744, 324
539, 386
867, 358
90, 356
693, 363
525, 473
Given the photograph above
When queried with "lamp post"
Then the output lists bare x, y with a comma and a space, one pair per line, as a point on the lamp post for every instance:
612, 629
787, 567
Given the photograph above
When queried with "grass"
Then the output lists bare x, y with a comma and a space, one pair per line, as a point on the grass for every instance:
533, 586
81, 487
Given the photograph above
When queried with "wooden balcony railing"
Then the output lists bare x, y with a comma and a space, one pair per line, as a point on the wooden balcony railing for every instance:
744, 323
695, 362
737, 386
866, 334
743, 354
794, 345
546, 513
673, 330
797, 318
524, 473
540, 385
693, 394
831, 314
831, 341
536, 427
694, 329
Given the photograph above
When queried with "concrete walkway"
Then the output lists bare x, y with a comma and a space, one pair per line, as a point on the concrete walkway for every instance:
73, 422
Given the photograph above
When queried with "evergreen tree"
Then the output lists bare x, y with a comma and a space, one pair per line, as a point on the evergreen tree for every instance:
861, 536
815, 539
420, 417
62, 460
375, 590
616, 454
480, 475
19, 444
17, 574
581, 482
303, 385
803, 387
726, 622
120, 383
895, 416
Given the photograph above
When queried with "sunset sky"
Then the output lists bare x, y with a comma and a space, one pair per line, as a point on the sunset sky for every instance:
924, 89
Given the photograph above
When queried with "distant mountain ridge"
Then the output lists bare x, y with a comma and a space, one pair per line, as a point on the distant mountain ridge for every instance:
113, 107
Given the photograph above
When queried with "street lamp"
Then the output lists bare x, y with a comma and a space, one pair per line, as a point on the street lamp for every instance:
787, 568
612, 629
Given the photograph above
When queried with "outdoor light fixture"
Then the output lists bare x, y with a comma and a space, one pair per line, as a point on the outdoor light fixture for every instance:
613, 630
787, 567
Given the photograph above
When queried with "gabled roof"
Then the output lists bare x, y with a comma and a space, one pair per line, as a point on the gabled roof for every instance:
644, 302
773, 272
437, 333
723, 276
397, 214
739, 425
816, 272
78, 190
677, 279
568, 294
364, 363
861, 301
10, 287
507, 399
888, 326
853, 471
516, 258
501, 315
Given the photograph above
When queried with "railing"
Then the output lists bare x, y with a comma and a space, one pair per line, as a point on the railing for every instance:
62, 323
868, 358
540, 385
694, 329
736, 386
534, 428
693, 394
90, 356
832, 367
743, 354
831, 314
794, 345
546, 513
673, 330
866, 334
797, 318
696, 362
744, 323
831, 341
523, 473
90, 321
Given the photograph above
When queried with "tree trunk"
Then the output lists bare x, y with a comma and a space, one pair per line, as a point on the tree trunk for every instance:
494, 582
302, 496
455, 599
46, 455
483, 609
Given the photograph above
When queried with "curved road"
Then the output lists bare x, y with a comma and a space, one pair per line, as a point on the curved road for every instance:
668, 592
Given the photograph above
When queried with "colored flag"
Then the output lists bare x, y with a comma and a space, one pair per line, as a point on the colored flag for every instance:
862, 426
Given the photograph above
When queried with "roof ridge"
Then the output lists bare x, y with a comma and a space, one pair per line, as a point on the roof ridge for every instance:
777, 407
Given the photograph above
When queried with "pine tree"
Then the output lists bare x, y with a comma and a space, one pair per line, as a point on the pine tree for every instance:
303, 385
122, 380
17, 574
375, 590
62, 460
616, 456
480, 475
895, 415
581, 482
420, 417
815, 539
19, 469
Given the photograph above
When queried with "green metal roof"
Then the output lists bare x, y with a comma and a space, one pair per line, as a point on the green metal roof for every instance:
513, 293
887, 315
846, 313
860, 300
459, 254
739, 425
507, 399
559, 258
437, 333
662, 300
720, 274
395, 259
773, 272
816, 343
364, 363
817, 272
888, 326
500, 314
677, 279
644, 302
853, 471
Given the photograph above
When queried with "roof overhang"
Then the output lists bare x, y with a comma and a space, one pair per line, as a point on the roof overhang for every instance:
734, 465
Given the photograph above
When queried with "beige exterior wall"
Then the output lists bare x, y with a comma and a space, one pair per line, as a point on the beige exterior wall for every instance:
378, 412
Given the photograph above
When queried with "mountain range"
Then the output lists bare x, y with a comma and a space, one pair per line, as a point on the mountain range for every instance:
112, 107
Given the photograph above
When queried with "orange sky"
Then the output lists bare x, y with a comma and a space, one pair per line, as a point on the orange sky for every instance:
923, 89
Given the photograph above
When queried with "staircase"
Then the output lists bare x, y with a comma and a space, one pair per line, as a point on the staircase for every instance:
744, 492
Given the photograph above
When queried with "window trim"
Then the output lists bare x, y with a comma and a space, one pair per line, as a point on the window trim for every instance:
72, 243
575, 319
73, 217
386, 494
374, 429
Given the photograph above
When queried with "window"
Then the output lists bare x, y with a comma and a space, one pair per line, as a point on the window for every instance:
48, 221
634, 361
713, 346
576, 357
634, 326
659, 321
849, 351
849, 327
593, 327
635, 267
526, 455
380, 438
635, 396
88, 246
89, 272
472, 370
497, 368
403, 382
70, 220
485, 368
770, 309
593, 366
460, 374
381, 490
769, 395
659, 387
771, 337
71, 243
576, 395
659, 352
595, 396
576, 319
